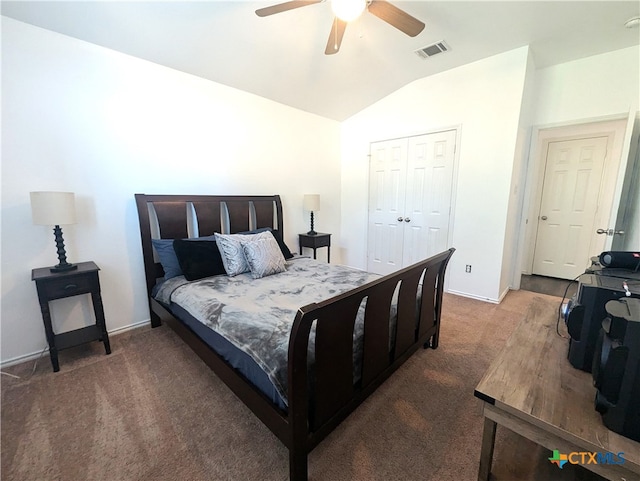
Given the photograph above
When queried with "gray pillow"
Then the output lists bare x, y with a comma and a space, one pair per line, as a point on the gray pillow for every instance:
264, 257
230, 246
167, 257
286, 252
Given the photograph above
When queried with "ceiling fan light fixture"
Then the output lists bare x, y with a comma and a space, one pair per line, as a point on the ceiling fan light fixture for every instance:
348, 10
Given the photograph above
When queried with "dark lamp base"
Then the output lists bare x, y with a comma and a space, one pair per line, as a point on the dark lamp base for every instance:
63, 267
312, 231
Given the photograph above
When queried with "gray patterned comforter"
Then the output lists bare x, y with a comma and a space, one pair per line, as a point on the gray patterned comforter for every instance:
256, 315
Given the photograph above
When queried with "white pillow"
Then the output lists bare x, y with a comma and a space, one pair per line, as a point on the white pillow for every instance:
230, 246
263, 256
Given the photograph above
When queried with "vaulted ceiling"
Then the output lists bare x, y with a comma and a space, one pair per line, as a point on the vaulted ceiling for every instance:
281, 57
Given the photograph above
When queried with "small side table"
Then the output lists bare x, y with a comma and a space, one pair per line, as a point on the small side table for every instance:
316, 241
57, 285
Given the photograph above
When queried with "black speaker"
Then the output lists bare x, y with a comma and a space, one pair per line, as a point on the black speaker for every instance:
585, 314
616, 368
621, 260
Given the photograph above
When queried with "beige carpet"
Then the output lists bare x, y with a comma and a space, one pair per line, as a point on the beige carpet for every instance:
153, 411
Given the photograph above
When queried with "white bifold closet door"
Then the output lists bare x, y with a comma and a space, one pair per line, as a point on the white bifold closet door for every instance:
410, 186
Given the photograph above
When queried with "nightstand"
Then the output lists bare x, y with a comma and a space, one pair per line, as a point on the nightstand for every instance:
316, 241
57, 285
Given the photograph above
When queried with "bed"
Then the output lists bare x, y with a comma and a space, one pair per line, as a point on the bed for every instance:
350, 331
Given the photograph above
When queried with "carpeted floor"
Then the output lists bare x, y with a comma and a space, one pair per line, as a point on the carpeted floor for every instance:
153, 411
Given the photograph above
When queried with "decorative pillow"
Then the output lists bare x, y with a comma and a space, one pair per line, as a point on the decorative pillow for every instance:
263, 257
167, 256
231, 250
198, 259
286, 252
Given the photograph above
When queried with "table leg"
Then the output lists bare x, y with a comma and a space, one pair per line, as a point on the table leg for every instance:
486, 452
51, 337
328, 254
98, 310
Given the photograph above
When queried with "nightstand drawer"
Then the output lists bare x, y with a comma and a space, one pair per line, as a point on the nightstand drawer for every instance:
69, 286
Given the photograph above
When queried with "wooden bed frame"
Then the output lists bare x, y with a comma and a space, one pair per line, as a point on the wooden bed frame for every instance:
311, 416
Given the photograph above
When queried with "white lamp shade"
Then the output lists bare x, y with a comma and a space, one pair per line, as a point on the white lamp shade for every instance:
53, 208
311, 202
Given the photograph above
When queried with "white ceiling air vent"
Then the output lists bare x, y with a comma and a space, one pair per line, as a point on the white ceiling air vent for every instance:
433, 49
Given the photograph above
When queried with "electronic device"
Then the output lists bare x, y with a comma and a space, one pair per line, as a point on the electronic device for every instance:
585, 311
600, 269
621, 260
616, 368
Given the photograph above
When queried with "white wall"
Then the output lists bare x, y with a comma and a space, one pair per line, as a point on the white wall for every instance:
484, 99
511, 260
81, 118
601, 87
589, 88
495, 102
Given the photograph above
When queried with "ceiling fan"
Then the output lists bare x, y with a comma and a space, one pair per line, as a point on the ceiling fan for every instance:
347, 10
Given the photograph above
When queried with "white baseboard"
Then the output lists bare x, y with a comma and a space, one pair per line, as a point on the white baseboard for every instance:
472, 296
35, 355
130, 327
24, 358
504, 293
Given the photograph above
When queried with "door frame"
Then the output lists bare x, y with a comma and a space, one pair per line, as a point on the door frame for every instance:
613, 174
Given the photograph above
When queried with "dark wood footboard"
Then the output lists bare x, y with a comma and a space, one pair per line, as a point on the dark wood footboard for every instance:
335, 395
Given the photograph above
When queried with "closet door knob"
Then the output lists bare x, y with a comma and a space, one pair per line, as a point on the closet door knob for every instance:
406, 219
399, 219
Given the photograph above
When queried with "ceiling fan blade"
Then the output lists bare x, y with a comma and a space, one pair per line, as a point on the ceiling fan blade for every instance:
283, 7
396, 17
335, 37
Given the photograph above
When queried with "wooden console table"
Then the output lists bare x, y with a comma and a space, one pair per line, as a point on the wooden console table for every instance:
532, 389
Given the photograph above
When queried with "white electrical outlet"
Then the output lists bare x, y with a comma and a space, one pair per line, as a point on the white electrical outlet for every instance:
467, 269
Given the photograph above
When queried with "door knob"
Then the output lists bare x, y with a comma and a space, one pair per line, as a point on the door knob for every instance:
544, 217
609, 232
406, 219
400, 219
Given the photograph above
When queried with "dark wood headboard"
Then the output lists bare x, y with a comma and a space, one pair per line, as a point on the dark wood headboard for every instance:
182, 216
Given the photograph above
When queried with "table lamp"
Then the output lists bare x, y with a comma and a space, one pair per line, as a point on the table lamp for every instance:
55, 208
311, 203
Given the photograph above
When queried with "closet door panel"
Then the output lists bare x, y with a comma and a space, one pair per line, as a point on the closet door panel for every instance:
387, 179
430, 163
415, 240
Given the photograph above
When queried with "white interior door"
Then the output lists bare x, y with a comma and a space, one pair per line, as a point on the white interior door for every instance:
430, 161
410, 188
387, 179
570, 195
